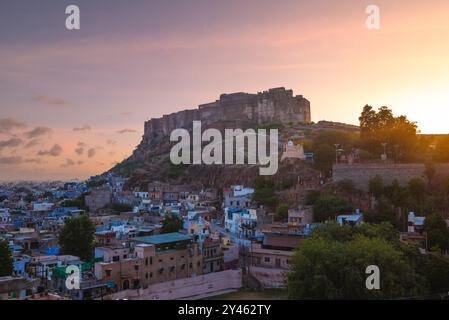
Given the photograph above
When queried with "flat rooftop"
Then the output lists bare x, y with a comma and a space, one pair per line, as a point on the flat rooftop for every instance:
163, 238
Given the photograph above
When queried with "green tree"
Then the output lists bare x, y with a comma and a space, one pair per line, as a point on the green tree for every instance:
417, 190
329, 206
383, 212
347, 186
376, 186
282, 211
383, 127
6, 262
436, 271
77, 237
430, 172
437, 232
264, 192
171, 223
324, 157
324, 268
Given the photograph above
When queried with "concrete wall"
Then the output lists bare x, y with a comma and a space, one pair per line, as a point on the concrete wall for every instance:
360, 174
191, 288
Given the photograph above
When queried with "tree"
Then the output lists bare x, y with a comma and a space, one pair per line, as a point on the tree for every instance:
376, 186
417, 191
347, 186
77, 237
6, 262
383, 127
329, 206
436, 271
437, 232
442, 149
282, 211
264, 193
383, 212
324, 157
430, 172
171, 223
325, 267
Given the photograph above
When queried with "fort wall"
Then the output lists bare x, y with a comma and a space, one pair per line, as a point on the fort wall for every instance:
360, 174
276, 105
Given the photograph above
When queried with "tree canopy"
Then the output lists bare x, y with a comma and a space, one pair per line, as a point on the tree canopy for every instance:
383, 127
171, 223
328, 206
77, 237
6, 262
332, 263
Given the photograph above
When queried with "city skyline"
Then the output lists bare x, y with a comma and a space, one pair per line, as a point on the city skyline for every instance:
74, 102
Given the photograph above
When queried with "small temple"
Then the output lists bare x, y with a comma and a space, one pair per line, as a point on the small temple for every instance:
292, 151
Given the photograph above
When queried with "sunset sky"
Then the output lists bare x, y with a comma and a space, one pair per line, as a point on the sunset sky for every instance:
73, 103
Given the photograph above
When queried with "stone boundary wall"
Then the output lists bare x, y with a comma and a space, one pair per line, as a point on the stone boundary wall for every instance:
189, 288
360, 173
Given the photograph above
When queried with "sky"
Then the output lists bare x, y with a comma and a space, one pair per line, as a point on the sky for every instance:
73, 103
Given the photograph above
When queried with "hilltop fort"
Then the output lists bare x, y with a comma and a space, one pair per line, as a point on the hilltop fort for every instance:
240, 109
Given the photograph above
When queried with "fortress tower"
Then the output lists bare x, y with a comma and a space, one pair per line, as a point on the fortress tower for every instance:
246, 110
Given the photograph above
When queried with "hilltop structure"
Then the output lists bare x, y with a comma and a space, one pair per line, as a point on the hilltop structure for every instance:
241, 109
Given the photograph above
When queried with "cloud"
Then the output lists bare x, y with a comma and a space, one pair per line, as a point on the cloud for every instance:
91, 152
37, 132
126, 113
111, 142
81, 144
53, 102
55, 151
32, 143
79, 151
11, 143
10, 160
127, 131
83, 128
34, 160
68, 163
8, 124
80, 162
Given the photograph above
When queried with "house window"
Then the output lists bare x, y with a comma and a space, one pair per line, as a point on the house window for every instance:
146, 261
136, 267
266, 259
108, 273
146, 275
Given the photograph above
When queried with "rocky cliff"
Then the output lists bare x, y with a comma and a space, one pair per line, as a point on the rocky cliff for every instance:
277, 108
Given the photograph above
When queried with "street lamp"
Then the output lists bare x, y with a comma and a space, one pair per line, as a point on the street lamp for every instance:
336, 152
